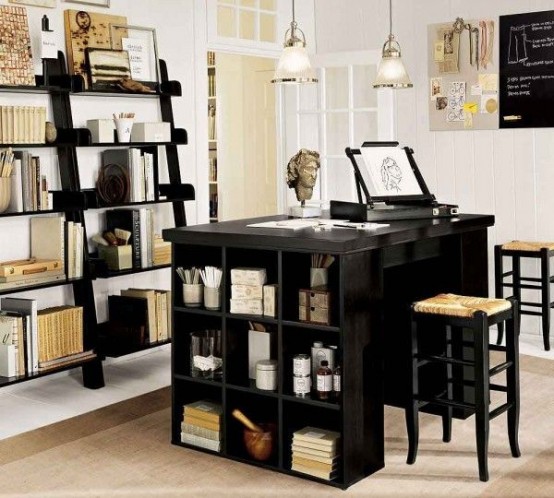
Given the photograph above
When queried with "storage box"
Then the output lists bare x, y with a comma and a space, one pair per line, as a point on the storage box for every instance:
151, 132
247, 292
314, 306
117, 257
270, 300
248, 276
102, 130
247, 306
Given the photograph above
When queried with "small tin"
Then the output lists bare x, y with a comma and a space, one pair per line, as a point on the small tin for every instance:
301, 365
302, 385
266, 375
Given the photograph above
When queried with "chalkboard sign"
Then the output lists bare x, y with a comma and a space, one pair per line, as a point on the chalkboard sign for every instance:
527, 70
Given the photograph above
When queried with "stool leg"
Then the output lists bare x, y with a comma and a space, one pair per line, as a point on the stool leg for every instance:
447, 415
545, 284
482, 393
512, 380
499, 288
517, 281
412, 407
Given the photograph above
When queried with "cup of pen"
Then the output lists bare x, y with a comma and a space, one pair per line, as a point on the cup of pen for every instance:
211, 276
123, 125
192, 287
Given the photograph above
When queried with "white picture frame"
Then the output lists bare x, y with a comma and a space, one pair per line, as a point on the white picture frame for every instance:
387, 172
97, 3
141, 44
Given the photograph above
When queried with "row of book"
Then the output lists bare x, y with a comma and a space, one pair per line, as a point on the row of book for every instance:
213, 205
316, 452
201, 425
52, 237
213, 169
211, 85
22, 124
29, 185
140, 316
139, 167
141, 224
33, 341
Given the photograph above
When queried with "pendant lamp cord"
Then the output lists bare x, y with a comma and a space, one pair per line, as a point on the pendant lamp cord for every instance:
390, 16
293, 16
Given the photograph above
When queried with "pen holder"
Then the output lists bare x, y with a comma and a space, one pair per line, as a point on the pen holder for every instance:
123, 127
212, 298
192, 295
5, 193
318, 277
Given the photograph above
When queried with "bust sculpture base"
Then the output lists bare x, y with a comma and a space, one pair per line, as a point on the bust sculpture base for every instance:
305, 212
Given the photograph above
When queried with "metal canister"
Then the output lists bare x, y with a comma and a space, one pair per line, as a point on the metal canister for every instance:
301, 378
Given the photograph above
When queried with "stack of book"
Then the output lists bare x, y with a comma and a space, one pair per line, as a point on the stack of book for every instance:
29, 185
247, 290
201, 425
315, 452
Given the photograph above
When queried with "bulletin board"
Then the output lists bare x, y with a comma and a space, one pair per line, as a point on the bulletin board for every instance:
527, 70
463, 81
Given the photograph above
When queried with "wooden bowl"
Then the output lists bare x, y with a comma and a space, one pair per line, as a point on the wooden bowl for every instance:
260, 445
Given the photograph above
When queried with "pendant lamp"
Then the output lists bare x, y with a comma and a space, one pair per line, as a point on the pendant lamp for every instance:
294, 64
391, 72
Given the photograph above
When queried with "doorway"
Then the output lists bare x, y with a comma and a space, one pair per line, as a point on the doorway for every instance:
242, 136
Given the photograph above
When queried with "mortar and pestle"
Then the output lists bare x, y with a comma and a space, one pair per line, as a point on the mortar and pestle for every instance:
258, 438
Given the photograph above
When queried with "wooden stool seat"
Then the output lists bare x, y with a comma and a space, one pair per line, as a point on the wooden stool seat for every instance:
461, 306
522, 245
474, 316
518, 250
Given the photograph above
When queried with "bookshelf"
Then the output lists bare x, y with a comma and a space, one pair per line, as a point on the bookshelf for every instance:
357, 414
73, 201
212, 139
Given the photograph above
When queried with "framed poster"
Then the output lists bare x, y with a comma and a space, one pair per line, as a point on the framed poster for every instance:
106, 68
142, 47
16, 62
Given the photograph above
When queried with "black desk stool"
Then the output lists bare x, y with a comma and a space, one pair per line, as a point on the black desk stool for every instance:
517, 250
456, 313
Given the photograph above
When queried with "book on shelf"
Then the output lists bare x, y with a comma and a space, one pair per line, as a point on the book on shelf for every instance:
214, 426
13, 358
29, 185
322, 437
163, 314
313, 446
205, 410
47, 277
66, 360
310, 451
315, 458
321, 474
128, 323
22, 124
213, 169
29, 266
28, 310
151, 311
201, 442
306, 462
48, 238
60, 333
196, 430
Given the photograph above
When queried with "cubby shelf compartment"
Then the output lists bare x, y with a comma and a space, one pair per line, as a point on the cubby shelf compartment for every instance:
311, 326
197, 311
199, 380
253, 318
252, 389
4, 381
309, 400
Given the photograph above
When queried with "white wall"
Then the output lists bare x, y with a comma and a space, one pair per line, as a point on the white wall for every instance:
174, 23
508, 173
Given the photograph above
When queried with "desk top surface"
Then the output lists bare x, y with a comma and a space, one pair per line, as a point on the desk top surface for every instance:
338, 240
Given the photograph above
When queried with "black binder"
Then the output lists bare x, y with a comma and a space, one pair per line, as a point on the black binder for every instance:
389, 206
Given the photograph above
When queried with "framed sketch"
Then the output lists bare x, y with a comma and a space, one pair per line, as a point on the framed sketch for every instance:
387, 172
98, 3
50, 4
142, 47
106, 68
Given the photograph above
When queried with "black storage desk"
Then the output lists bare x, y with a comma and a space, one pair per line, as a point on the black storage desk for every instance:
375, 278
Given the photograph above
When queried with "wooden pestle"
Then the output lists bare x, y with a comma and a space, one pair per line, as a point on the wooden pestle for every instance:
241, 417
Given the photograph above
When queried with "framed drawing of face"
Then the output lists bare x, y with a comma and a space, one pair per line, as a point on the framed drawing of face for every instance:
387, 172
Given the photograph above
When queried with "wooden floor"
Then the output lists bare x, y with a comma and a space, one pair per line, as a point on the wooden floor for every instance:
124, 450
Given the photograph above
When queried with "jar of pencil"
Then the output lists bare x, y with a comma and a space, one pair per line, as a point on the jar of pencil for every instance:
318, 271
193, 289
211, 276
